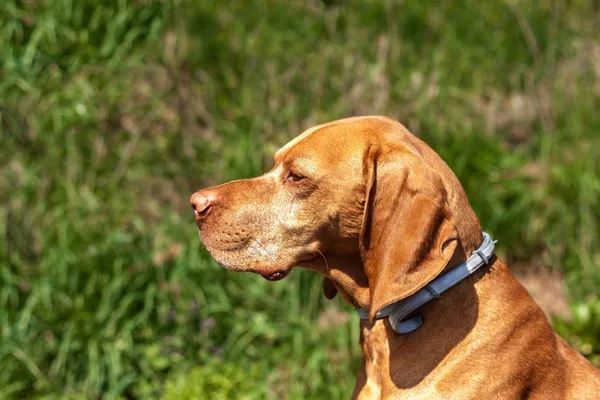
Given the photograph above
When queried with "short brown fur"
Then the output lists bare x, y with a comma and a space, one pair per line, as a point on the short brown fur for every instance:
378, 213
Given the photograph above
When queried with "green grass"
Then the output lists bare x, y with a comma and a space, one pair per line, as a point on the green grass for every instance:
112, 113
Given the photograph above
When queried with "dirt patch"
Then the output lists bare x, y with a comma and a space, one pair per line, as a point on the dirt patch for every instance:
546, 287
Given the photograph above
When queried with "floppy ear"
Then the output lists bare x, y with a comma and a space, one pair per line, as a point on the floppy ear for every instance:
408, 235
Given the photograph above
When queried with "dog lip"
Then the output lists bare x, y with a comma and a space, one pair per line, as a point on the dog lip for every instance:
282, 273
274, 276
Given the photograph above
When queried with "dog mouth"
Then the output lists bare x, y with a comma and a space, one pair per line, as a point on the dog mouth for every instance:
231, 262
282, 273
274, 276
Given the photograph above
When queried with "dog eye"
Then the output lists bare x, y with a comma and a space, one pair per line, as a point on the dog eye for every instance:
293, 177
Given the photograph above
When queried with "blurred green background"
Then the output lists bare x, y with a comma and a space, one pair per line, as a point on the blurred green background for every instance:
113, 112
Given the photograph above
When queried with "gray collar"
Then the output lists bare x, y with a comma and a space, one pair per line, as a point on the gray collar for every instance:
399, 310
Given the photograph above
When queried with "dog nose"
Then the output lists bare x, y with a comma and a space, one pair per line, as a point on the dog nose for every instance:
201, 203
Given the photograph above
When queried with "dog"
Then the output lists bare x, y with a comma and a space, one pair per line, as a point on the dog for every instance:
381, 216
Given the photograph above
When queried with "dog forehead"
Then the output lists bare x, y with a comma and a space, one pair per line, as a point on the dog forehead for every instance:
335, 139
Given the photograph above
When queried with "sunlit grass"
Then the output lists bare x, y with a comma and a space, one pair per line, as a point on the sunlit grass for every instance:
112, 114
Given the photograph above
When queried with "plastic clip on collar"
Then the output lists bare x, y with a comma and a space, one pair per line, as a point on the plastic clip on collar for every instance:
397, 312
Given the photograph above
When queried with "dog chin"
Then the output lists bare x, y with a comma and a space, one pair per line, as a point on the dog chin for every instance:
226, 262
274, 276
235, 265
279, 274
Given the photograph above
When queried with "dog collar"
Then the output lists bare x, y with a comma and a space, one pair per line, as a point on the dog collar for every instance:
398, 311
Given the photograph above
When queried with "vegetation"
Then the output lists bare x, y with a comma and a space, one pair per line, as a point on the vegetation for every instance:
112, 113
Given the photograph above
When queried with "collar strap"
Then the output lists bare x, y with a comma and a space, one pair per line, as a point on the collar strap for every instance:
398, 311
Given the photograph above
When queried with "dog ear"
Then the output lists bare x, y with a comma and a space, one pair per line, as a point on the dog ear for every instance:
329, 289
408, 235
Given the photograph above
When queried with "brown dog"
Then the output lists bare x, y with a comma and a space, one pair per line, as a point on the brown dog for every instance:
379, 214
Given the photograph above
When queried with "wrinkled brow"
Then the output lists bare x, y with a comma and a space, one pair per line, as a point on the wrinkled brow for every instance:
301, 165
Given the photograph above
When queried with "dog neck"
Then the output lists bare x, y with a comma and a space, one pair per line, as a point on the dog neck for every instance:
346, 273
399, 312
404, 362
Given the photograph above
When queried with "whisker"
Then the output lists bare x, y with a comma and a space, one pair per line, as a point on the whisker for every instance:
326, 263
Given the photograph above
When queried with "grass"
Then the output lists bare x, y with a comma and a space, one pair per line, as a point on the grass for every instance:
112, 113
